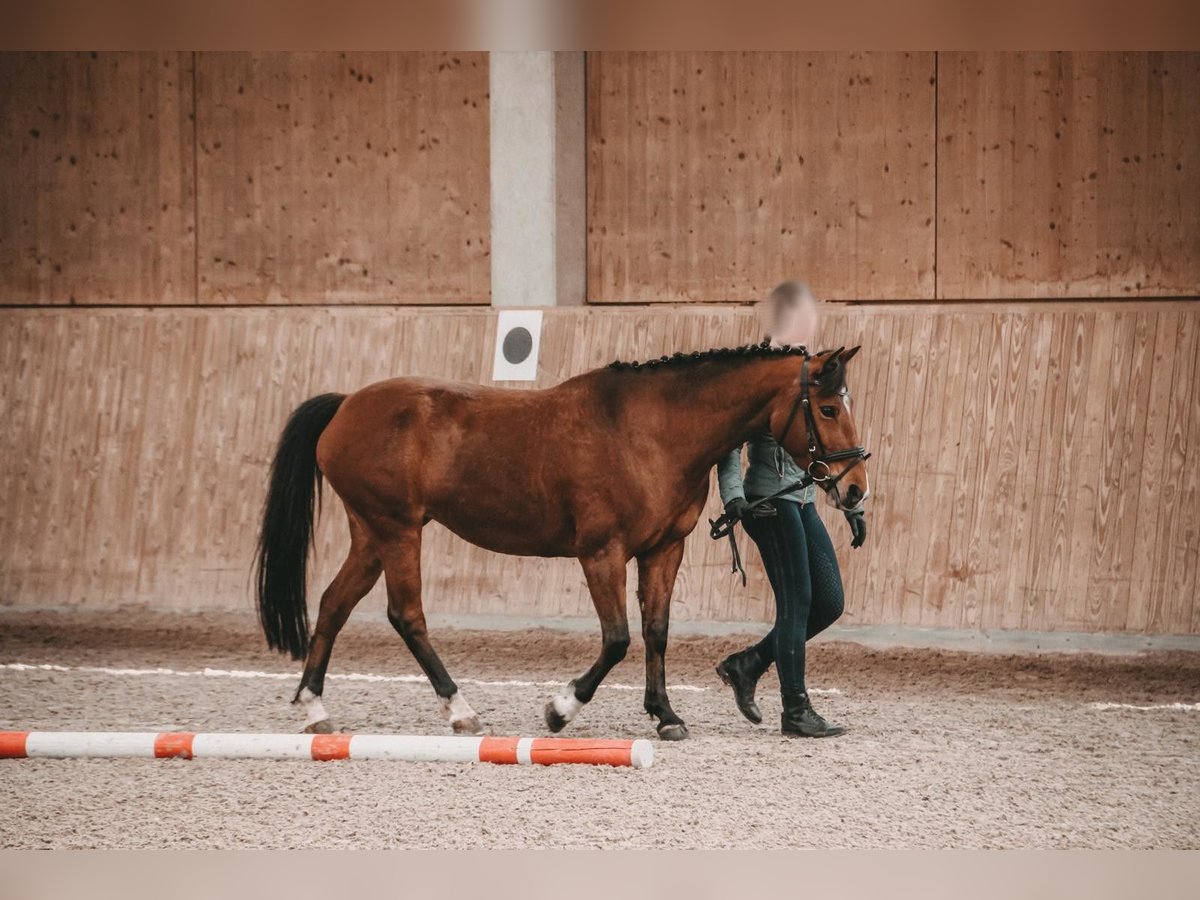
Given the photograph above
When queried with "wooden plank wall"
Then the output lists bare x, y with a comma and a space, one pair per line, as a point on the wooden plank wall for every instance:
712, 176
177, 178
1036, 466
173, 178
343, 177
96, 202
1068, 175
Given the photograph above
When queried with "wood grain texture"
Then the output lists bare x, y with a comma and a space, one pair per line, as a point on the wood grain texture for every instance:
710, 174
1036, 467
343, 177
96, 203
1068, 175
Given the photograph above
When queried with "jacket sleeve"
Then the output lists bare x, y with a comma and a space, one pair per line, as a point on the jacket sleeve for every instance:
729, 476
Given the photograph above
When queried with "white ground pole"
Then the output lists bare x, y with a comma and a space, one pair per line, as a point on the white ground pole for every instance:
638, 754
539, 193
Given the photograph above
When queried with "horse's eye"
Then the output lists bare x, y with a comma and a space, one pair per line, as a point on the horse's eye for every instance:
829, 411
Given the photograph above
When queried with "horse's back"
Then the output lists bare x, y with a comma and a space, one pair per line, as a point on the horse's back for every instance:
407, 440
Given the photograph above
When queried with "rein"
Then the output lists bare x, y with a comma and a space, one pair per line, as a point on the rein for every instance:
819, 458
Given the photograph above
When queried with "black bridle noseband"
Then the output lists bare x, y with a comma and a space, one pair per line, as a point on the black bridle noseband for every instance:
818, 471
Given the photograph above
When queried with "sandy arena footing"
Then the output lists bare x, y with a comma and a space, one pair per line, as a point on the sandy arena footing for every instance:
946, 749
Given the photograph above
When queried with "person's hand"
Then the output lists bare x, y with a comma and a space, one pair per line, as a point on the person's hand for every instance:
858, 527
736, 508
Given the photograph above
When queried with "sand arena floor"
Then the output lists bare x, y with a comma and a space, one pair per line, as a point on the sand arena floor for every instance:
948, 749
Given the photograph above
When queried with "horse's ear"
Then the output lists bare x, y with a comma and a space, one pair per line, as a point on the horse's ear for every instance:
832, 376
849, 354
832, 363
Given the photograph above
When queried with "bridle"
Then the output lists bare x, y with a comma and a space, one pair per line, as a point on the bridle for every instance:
819, 469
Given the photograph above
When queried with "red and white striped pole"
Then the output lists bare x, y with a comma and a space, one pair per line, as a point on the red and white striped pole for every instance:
407, 748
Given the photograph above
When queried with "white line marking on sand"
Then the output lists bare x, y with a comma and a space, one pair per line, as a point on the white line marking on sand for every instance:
335, 676
1190, 707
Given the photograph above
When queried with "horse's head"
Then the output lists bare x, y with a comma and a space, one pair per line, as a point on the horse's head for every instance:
814, 425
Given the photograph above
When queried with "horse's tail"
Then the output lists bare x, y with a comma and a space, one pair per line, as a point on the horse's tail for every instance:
282, 558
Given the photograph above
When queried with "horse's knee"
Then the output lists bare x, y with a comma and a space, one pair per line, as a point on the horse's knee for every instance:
406, 621
616, 646
399, 621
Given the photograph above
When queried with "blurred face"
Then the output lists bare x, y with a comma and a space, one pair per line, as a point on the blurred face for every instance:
796, 321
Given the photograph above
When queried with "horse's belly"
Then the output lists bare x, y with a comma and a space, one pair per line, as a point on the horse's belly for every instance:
514, 535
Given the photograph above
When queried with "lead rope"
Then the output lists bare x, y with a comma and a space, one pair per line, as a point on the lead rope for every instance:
736, 555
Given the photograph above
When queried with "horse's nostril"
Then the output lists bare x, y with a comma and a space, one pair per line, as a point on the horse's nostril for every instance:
853, 494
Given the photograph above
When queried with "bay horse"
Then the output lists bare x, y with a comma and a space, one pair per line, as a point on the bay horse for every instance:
609, 466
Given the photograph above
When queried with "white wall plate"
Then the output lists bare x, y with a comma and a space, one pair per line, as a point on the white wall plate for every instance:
518, 336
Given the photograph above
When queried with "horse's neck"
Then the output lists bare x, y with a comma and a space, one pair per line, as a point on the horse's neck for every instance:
714, 410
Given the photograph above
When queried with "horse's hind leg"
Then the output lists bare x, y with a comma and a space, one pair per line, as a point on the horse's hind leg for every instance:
353, 581
605, 573
656, 582
402, 571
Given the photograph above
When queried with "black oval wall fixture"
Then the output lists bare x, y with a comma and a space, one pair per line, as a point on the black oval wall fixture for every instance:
517, 345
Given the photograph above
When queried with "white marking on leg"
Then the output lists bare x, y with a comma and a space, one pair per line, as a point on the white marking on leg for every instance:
456, 708
314, 709
567, 705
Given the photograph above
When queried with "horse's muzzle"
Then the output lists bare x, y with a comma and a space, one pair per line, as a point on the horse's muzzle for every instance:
854, 496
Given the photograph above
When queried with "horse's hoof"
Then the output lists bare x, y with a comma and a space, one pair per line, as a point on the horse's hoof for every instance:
555, 720
469, 725
672, 731
322, 727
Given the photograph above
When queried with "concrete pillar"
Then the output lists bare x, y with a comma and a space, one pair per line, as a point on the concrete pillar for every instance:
539, 190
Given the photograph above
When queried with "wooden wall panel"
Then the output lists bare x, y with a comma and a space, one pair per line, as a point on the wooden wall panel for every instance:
96, 203
711, 176
343, 178
1068, 175
1036, 467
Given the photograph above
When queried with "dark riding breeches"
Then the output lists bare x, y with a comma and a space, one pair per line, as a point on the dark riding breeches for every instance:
802, 567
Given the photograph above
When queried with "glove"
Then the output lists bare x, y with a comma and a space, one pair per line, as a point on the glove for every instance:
737, 508
858, 527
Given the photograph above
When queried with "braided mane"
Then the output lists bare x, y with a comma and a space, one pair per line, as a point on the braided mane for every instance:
746, 351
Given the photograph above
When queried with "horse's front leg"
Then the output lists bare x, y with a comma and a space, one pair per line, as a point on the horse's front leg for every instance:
605, 574
656, 582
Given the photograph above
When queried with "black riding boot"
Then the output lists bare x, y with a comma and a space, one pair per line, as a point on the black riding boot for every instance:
801, 720
741, 672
